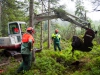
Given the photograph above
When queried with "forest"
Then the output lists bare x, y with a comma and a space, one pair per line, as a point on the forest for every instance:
48, 61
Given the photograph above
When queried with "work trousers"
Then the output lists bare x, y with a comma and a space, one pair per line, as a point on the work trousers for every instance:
26, 63
57, 45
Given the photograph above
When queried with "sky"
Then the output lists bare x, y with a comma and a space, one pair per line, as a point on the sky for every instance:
71, 7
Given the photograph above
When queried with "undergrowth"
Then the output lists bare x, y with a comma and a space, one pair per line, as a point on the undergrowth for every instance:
50, 62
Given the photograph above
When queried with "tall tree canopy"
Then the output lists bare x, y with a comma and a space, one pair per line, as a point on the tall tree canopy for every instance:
12, 10
96, 4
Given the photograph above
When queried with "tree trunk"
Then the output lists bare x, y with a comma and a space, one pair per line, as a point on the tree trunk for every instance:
41, 36
31, 15
0, 18
48, 25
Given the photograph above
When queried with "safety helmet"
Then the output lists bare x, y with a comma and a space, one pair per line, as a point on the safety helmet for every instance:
30, 29
56, 30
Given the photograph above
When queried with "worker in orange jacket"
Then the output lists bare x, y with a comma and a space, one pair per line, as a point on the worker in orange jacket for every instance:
26, 47
16, 30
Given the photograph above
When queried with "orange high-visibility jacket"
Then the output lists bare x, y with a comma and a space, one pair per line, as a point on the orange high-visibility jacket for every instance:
26, 37
16, 30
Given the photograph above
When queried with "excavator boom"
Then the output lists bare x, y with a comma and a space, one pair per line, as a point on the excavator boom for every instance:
63, 15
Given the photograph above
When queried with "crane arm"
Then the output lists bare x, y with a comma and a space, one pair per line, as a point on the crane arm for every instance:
43, 18
62, 14
67, 18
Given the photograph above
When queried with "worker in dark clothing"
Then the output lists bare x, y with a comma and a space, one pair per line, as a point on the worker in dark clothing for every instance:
56, 40
26, 50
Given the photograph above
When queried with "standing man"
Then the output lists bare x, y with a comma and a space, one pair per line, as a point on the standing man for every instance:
56, 40
26, 47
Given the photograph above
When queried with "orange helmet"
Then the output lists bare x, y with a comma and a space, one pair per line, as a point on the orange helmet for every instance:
56, 31
30, 29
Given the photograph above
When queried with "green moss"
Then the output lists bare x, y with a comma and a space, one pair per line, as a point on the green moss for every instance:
50, 62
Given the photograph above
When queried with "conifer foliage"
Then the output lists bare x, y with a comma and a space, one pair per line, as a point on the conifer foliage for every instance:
11, 10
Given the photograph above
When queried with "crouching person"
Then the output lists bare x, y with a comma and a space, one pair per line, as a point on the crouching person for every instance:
26, 46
